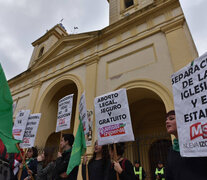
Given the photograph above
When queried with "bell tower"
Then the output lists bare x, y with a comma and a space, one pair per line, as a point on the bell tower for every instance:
119, 9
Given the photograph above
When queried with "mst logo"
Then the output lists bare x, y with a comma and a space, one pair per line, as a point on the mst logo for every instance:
197, 130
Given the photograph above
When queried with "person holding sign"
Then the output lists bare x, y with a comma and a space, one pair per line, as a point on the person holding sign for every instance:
98, 164
31, 162
122, 166
61, 165
179, 168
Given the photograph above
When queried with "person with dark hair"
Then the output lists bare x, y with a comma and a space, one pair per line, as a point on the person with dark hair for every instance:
121, 165
98, 164
139, 171
179, 168
61, 163
45, 164
159, 171
31, 161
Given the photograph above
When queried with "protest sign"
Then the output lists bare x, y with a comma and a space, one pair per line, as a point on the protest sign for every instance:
90, 128
113, 121
31, 131
64, 113
83, 113
190, 99
20, 124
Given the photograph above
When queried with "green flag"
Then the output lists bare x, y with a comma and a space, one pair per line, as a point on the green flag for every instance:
6, 115
79, 148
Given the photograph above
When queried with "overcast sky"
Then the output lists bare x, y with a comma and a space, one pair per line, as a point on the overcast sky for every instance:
24, 21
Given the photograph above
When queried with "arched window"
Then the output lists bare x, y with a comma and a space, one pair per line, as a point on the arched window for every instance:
41, 52
128, 3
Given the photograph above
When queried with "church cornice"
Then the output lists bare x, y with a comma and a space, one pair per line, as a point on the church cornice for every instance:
139, 16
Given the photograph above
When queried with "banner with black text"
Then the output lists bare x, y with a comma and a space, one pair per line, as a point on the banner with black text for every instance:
20, 124
64, 113
31, 131
113, 121
190, 99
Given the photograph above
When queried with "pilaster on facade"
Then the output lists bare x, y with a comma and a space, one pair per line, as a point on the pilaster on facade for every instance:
92, 60
179, 47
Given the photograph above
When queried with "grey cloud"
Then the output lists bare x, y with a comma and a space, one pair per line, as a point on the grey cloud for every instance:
25, 21
195, 13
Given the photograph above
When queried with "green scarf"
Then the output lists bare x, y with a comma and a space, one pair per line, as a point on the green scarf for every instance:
176, 145
69, 150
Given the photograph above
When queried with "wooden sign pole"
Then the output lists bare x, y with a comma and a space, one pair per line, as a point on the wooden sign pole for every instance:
115, 159
24, 163
21, 168
87, 177
61, 136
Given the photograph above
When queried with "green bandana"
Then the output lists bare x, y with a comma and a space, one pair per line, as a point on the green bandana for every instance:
176, 145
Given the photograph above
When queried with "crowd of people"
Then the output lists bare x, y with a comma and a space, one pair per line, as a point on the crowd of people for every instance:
107, 162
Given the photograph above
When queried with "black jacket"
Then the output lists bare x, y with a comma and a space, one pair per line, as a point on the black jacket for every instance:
97, 170
45, 173
32, 165
127, 173
189, 168
61, 166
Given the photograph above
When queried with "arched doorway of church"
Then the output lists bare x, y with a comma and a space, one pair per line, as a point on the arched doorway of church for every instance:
148, 120
46, 135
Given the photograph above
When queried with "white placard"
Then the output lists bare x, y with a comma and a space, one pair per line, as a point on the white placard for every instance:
89, 135
190, 99
113, 121
31, 131
83, 113
20, 124
64, 113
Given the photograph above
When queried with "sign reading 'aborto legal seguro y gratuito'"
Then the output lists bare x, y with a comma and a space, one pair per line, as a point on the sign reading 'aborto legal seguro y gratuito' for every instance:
113, 121
190, 99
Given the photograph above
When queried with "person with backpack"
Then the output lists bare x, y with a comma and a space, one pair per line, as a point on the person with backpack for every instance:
98, 164
121, 165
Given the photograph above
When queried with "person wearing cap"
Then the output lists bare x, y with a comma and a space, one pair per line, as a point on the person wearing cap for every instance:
62, 161
179, 168
159, 171
139, 171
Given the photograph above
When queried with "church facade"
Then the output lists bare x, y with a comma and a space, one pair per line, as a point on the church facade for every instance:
145, 43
